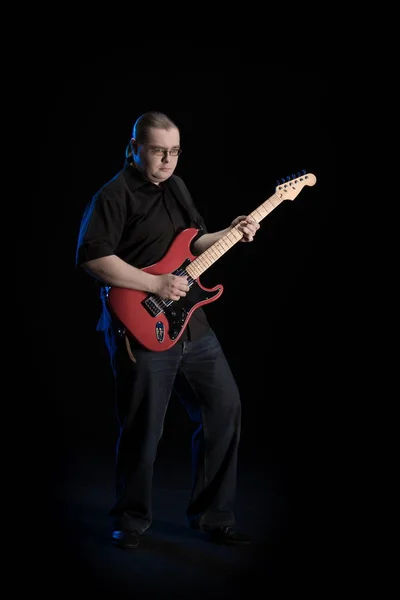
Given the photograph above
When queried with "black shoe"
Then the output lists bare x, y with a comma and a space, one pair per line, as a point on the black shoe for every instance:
228, 536
125, 539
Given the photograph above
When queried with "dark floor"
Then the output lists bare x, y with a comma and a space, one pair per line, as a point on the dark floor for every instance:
290, 493
290, 499
172, 560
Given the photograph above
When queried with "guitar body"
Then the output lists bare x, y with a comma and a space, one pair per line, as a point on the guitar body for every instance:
155, 323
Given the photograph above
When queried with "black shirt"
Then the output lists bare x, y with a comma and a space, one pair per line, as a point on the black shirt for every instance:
137, 221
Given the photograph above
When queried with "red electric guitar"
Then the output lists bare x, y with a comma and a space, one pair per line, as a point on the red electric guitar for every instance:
157, 324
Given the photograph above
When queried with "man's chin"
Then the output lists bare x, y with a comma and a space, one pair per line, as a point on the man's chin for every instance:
162, 176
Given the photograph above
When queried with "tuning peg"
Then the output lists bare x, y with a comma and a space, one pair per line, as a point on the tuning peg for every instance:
283, 179
278, 182
293, 176
298, 173
287, 177
304, 171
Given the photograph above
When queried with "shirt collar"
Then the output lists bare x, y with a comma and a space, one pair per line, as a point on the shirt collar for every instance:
135, 178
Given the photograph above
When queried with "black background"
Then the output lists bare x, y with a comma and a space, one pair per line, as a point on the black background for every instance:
244, 124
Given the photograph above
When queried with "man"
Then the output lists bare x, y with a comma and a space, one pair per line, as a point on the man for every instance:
129, 225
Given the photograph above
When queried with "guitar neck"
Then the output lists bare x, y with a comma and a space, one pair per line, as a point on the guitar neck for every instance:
227, 241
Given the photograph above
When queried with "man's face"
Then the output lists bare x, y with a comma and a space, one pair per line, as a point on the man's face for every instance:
152, 159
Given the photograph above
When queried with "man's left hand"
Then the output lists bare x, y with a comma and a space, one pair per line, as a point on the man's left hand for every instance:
247, 226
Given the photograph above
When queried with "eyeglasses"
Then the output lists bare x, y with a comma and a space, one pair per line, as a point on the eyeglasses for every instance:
163, 151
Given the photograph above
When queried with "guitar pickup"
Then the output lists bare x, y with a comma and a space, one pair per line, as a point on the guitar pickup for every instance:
152, 307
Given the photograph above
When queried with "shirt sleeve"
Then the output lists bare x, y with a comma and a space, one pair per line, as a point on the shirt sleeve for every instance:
101, 227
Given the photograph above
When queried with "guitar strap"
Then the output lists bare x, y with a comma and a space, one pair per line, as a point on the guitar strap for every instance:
129, 349
184, 198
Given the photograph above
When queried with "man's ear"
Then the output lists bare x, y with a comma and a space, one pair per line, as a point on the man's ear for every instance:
131, 148
128, 151
134, 146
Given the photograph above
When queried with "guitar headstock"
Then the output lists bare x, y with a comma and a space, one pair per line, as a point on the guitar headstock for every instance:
289, 188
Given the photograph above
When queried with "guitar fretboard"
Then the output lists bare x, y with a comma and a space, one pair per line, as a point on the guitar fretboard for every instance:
218, 249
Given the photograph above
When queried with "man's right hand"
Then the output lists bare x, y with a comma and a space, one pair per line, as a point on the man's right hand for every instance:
171, 287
